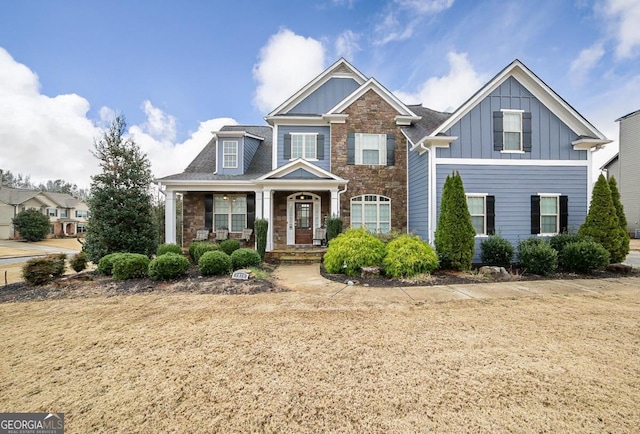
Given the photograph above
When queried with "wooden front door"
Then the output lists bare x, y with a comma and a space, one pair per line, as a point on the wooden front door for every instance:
304, 222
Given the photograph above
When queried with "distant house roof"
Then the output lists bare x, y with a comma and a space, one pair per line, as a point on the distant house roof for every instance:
63, 200
611, 160
203, 167
628, 115
16, 196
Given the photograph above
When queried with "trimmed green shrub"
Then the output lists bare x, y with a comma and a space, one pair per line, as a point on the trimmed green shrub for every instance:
192, 248
168, 266
38, 271
202, 248
334, 227
32, 225
79, 262
168, 248
229, 246
602, 222
584, 256
455, 236
105, 264
622, 219
352, 250
244, 258
130, 266
407, 255
496, 250
261, 227
560, 241
537, 256
214, 262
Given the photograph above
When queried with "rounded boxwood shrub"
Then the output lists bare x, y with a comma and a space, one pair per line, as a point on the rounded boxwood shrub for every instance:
229, 246
537, 256
496, 250
168, 266
79, 262
39, 271
243, 258
168, 248
214, 262
201, 248
560, 241
408, 255
130, 266
584, 256
105, 264
349, 252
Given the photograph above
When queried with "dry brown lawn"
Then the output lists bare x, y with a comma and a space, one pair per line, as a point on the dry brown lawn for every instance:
291, 362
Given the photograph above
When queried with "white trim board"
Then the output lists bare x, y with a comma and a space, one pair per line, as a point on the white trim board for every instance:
501, 162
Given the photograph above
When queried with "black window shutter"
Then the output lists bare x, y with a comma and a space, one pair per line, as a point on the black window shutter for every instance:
208, 211
497, 131
320, 147
535, 214
491, 215
391, 150
351, 148
251, 209
564, 214
287, 147
526, 131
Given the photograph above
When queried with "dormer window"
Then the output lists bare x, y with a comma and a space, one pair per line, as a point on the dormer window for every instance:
229, 154
303, 146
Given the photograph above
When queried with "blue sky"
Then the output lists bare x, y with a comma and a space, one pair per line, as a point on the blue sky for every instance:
179, 69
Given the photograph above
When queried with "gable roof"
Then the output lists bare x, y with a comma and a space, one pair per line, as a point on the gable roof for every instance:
298, 167
16, 196
539, 89
341, 68
628, 115
63, 200
428, 122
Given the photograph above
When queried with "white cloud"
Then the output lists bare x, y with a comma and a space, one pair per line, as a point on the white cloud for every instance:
446, 93
624, 16
586, 61
285, 64
347, 44
401, 17
425, 6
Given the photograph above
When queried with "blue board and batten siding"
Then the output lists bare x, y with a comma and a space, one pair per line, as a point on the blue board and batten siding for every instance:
418, 194
250, 148
325, 97
513, 186
550, 137
239, 170
288, 129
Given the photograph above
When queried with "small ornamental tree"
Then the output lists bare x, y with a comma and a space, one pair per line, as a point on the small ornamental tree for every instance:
602, 224
622, 218
455, 235
32, 225
121, 215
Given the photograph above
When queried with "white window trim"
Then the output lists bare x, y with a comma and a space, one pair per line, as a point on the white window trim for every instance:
382, 149
512, 151
304, 145
229, 213
484, 197
377, 202
224, 154
557, 197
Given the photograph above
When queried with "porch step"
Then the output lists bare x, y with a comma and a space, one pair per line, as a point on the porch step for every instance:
298, 256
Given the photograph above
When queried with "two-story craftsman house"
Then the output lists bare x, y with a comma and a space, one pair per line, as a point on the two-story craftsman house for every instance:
344, 145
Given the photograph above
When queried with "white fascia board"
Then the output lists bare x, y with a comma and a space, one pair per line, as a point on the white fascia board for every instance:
296, 164
539, 89
301, 184
431, 142
236, 134
501, 162
336, 118
586, 144
195, 185
314, 84
295, 120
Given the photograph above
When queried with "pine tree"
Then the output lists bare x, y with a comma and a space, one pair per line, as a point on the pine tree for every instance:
622, 218
121, 215
602, 224
455, 235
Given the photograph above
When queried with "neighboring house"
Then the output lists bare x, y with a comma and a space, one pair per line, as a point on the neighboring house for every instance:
345, 146
68, 216
624, 167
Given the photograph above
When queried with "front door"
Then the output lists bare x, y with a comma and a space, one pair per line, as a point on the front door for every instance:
304, 222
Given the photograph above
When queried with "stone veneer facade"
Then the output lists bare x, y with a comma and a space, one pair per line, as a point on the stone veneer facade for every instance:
372, 115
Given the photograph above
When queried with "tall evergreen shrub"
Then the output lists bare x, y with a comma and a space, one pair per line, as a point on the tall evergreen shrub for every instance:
261, 226
622, 218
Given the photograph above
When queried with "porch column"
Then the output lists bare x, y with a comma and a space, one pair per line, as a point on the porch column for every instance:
268, 214
259, 213
335, 203
170, 217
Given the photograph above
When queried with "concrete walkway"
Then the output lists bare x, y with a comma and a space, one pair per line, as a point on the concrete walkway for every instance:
306, 278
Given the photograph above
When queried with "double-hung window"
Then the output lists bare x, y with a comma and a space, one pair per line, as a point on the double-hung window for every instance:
512, 130
371, 149
371, 211
229, 154
64, 213
80, 213
230, 212
304, 145
52, 212
549, 214
478, 210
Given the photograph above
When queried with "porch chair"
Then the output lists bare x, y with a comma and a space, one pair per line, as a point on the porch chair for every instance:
246, 235
202, 235
222, 234
320, 237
